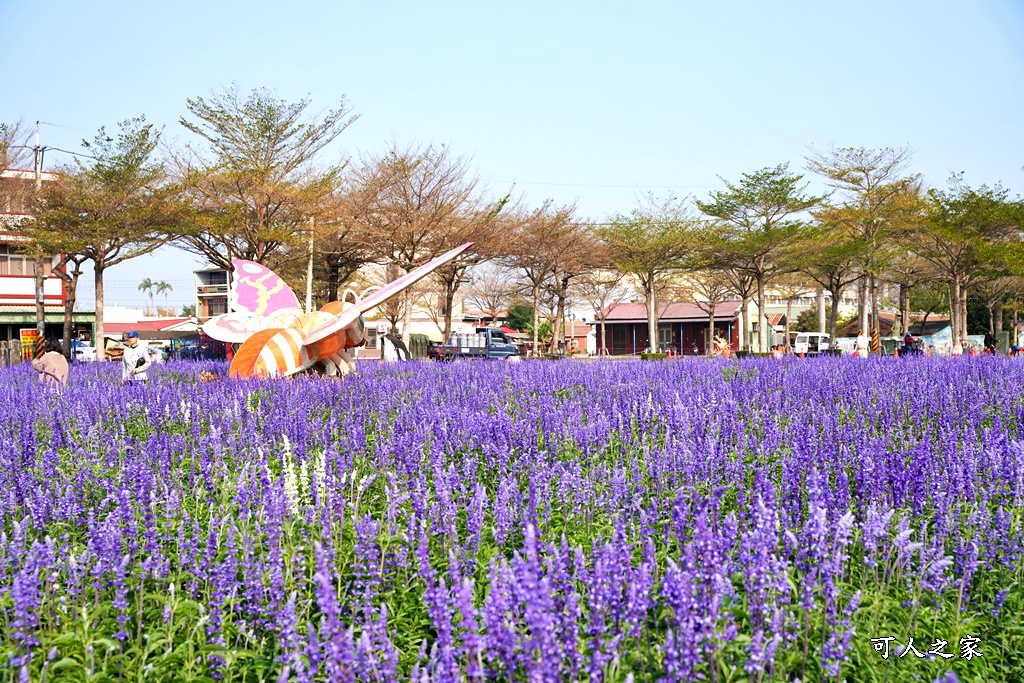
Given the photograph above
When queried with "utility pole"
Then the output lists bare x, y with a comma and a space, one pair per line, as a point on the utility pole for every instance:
39, 262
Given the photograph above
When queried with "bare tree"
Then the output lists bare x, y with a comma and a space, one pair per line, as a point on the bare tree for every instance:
412, 205
603, 289
579, 251
538, 247
14, 148
709, 287
492, 288
15, 189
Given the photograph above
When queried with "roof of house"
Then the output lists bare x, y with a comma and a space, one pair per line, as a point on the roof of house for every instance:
154, 325
477, 313
670, 312
776, 319
575, 328
886, 321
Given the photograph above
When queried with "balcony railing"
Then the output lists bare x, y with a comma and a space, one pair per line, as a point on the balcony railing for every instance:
211, 290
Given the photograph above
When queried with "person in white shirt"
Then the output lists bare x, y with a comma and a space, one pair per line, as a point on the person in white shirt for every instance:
862, 345
135, 361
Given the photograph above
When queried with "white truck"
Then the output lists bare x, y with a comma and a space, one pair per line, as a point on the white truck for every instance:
810, 343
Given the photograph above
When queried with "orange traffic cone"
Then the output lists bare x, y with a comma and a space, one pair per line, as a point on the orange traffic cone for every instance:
896, 352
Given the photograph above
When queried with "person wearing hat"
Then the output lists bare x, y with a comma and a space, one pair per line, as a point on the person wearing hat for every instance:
135, 361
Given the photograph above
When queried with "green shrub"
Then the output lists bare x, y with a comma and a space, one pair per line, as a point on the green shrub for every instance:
653, 356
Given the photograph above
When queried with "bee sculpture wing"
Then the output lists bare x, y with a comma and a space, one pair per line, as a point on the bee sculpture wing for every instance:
351, 314
258, 300
236, 327
257, 289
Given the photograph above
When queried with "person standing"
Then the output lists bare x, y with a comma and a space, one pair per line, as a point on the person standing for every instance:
52, 366
135, 361
990, 344
862, 345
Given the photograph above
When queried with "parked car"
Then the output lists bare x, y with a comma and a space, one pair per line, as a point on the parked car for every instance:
84, 353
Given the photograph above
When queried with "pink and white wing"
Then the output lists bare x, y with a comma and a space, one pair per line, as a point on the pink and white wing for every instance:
257, 289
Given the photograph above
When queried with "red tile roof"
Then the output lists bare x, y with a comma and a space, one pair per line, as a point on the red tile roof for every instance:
676, 311
143, 325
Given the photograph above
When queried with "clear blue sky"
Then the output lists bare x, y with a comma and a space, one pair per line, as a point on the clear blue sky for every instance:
586, 102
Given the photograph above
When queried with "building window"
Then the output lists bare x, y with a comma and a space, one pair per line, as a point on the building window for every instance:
371, 338
218, 306
13, 263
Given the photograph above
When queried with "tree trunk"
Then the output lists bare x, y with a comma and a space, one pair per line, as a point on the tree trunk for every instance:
604, 338
821, 309
652, 317
789, 314
744, 328
101, 354
833, 316
862, 304
711, 331
332, 282
998, 316
904, 321
536, 314
762, 317
556, 325
954, 309
905, 307
449, 302
963, 314
71, 296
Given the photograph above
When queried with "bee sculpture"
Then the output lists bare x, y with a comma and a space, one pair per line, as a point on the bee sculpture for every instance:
278, 338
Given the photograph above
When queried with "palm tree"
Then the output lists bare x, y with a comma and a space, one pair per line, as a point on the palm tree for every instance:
147, 286
164, 287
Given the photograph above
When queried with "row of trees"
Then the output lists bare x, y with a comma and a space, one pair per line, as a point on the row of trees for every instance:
767, 232
257, 189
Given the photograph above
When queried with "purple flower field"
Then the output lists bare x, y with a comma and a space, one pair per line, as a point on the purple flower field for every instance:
540, 521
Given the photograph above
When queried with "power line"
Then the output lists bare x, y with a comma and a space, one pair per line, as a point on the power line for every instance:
625, 187
57, 125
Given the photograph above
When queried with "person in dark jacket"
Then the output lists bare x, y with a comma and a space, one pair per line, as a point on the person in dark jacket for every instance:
990, 344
